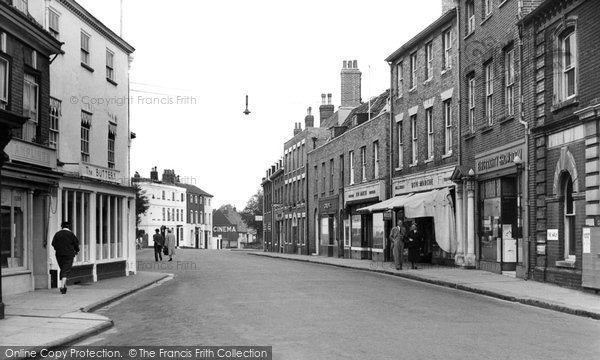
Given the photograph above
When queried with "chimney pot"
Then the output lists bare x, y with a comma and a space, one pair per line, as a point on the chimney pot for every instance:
345, 64
328, 99
322, 99
355, 64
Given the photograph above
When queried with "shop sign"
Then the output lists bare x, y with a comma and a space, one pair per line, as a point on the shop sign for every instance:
279, 216
364, 192
99, 173
387, 215
500, 159
423, 182
541, 250
225, 229
328, 206
552, 234
31, 153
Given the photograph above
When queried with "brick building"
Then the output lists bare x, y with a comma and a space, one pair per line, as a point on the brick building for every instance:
197, 229
29, 175
562, 100
272, 185
493, 137
348, 172
425, 107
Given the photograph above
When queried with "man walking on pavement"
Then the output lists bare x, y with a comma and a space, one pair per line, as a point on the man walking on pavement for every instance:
397, 236
159, 243
66, 245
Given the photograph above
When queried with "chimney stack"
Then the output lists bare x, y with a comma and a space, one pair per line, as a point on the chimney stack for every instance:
326, 110
297, 129
154, 174
447, 5
309, 120
351, 84
169, 176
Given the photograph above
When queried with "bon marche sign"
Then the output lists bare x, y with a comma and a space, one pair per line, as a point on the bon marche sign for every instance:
423, 181
499, 159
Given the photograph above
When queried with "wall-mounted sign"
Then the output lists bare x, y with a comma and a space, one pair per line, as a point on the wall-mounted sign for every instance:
387, 215
423, 181
258, 218
498, 159
224, 229
552, 234
586, 241
329, 205
363, 192
541, 250
99, 173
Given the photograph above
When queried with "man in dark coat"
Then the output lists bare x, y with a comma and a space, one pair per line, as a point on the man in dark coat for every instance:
159, 243
66, 246
414, 244
398, 236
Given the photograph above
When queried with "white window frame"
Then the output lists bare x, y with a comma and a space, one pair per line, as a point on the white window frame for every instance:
447, 109
470, 16
54, 29
430, 135
30, 83
400, 133
471, 98
5, 89
573, 65
85, 137
429, 61
447, 54
569, 221
376, 159
400, 81
509, 76
363, 164
351, 167
111, 152
487, 8
413, 71
3, 42
415, 140
489, 92
85, 48
54, 127
110, 65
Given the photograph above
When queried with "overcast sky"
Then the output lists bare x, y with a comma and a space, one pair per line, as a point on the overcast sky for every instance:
283, 54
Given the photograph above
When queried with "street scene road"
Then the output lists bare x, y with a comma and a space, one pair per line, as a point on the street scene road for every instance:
309, 311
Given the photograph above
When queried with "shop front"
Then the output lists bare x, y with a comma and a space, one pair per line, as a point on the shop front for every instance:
499, 213
364, 233
330, 241
102, 216
429, 204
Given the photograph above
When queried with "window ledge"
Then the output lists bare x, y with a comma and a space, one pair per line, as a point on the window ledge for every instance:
87, 67
426, 82
469, 136
486, 128
505, 119
428, 160
566, 264
485, 20
445, 71
413, 89
502, 2
566, 103
469, 35
447, 155
16, 272
112, 81
414, 164
399, 168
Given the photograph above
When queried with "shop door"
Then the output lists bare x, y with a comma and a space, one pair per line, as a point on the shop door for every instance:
508, 231
331, 241
366, 239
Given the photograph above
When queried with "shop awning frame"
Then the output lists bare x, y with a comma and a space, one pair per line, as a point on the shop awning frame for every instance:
389, 204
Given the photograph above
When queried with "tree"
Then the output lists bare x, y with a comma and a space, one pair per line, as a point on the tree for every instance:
254, 208
141, 204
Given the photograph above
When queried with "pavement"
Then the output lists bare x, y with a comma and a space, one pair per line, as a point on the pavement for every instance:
528, 292
46, 319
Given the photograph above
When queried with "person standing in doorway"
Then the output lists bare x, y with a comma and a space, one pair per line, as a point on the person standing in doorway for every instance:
159, 243
170, 244
414, 244
397, 236
66, 245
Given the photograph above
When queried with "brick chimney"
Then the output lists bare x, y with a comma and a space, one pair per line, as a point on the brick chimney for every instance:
309, 120
447, 5
351, 80
326, 109
154, 174
168, 176
297, 128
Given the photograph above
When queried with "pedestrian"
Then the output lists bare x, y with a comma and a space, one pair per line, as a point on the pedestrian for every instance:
66, 246
170, 244
138, 242
398, 236
159, 243
414, 244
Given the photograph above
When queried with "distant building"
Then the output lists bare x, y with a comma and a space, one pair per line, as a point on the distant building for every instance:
197, 229
229, 227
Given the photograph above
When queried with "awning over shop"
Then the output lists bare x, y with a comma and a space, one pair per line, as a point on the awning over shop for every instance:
389, 204
437, 204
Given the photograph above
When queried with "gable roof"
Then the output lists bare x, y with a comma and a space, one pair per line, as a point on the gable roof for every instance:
375, 107
194, 189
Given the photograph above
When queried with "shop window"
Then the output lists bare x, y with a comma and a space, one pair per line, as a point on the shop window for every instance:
109, 227
568, 218
378, 231
12, 247
356, 232
76, 210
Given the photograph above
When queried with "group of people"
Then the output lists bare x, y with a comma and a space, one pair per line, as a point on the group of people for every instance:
166, 244
401, 239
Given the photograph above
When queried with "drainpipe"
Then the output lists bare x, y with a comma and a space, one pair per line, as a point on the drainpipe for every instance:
458, 85
391, 148
525, 195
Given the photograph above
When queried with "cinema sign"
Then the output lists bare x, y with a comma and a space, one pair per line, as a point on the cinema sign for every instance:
225, 229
